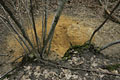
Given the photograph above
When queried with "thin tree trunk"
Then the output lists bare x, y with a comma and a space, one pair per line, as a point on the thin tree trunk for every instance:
16, 22
33, 23
29, 17
16, 32
15, 36
45, 24
54, 23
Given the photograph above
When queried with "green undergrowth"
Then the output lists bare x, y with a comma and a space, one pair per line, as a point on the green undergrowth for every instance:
80, 48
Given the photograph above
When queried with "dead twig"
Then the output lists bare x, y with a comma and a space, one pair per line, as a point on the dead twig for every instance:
110, 44
112, 17
18, 58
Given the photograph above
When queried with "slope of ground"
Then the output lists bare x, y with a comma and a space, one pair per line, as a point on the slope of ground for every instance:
80, 14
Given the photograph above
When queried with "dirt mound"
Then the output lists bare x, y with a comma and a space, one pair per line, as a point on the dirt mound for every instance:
67, 30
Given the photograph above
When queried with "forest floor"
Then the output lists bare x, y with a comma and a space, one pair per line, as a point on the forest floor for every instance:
87, 13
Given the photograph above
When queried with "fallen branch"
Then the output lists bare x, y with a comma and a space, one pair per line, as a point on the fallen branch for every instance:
57, 65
